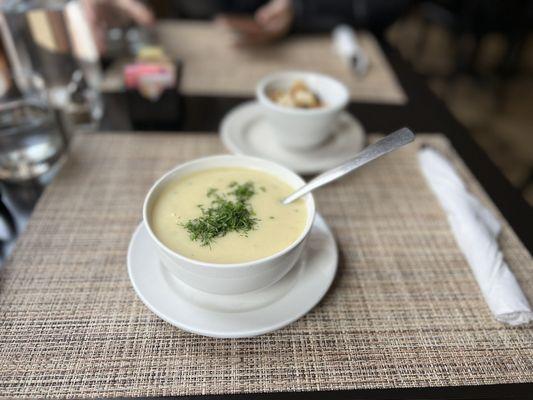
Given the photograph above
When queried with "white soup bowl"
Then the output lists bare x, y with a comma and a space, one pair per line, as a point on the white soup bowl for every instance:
229, 278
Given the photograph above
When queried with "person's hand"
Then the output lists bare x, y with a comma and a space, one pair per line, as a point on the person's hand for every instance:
275, 17
103, 14
270, 22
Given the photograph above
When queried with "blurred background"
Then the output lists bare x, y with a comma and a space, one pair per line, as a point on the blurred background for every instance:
476, 55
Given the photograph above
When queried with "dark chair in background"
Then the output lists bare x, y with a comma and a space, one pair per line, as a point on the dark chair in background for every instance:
471, 21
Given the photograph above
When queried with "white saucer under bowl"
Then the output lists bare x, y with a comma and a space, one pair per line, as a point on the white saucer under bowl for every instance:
245, 130
233, 316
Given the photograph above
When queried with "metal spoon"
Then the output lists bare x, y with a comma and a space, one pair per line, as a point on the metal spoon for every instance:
383, 146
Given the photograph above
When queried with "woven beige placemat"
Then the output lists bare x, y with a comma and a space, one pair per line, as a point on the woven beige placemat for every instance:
404, 310
213, 65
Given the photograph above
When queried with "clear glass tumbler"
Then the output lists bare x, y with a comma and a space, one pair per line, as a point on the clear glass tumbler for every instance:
31, 143
49, 46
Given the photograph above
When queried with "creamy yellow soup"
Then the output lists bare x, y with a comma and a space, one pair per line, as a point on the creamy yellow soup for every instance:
276, 226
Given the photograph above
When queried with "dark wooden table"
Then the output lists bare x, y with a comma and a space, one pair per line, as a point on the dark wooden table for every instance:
424, 112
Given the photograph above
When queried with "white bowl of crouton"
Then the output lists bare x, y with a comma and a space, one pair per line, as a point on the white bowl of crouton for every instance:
302, 106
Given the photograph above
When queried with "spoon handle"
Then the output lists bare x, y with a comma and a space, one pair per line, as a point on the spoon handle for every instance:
383, 146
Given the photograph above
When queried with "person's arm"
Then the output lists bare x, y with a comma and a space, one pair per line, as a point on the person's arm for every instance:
276, 18
324, 15
270, 22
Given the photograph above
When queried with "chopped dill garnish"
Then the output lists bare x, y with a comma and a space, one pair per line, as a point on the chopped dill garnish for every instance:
263, 188
243, 192
229, 212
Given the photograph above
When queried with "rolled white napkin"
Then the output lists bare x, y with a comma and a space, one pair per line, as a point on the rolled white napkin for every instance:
347, 46
476, 231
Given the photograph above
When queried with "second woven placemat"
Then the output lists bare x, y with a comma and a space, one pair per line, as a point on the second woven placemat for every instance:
404, 310
214, 65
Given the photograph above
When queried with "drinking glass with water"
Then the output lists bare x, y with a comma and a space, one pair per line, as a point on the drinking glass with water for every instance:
31, 144
49, 46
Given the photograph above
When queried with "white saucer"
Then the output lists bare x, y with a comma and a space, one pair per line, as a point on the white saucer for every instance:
244, 130
253, 313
